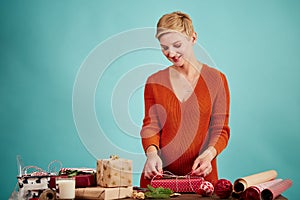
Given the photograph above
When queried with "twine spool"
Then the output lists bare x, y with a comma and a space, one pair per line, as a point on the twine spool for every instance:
48, 194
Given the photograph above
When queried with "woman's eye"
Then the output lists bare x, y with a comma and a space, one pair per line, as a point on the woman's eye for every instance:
165, 48
177, 45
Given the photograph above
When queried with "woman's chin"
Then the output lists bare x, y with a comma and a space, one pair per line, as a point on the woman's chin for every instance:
178, 64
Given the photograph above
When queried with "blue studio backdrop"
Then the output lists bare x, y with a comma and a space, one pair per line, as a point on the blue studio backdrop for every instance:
72, 75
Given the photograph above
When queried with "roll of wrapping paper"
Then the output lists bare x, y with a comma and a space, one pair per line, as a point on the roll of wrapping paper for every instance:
275, 190
253, 192
241, 184
48, 194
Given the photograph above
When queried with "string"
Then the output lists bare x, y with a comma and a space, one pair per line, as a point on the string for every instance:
52, 169
120, 179
33, 167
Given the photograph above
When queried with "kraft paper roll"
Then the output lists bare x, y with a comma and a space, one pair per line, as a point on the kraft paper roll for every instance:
48, 194
254, 192
275, 190
241, 184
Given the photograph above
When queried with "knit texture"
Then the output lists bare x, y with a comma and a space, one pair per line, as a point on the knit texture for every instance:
183, 130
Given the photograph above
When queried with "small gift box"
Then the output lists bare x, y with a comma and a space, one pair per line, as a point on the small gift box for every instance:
114, 172
103, 193
84, 177
183, 184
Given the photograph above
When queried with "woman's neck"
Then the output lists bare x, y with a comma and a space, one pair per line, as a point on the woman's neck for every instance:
190, 70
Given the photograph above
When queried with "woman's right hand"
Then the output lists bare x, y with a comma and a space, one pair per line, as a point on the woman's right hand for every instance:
153, 165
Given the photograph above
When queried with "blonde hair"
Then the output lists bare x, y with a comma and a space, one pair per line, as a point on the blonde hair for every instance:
175, 22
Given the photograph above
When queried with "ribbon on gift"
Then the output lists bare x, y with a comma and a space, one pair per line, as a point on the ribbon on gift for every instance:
39, 171
184, 183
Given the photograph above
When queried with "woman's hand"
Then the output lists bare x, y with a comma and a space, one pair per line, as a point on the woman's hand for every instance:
202, 164
153, 165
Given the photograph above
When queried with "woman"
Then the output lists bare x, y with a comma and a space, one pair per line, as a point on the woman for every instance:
186, 108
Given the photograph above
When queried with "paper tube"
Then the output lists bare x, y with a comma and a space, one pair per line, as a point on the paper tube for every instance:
253, 192
275, 190
241, 184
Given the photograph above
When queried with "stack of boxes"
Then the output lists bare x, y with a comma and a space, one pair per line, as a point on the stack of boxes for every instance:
114, 180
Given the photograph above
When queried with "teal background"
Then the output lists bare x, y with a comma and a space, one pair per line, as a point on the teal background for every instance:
43, 43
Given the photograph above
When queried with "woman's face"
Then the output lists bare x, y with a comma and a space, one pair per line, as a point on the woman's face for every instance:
177, 47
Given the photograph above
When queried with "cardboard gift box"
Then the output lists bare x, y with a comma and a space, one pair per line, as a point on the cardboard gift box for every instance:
102, 193
182, 185
114, 172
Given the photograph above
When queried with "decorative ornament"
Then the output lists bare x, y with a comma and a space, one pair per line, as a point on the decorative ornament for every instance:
205, 189
223, 188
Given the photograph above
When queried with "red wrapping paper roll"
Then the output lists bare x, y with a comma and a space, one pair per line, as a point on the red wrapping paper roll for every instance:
275, 190
254, 192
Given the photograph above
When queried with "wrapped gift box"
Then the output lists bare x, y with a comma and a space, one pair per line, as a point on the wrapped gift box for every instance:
114, 172
179, 184
103, 193
31, 186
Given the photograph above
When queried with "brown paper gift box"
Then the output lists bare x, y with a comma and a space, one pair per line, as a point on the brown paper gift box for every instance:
101, 193
114, 172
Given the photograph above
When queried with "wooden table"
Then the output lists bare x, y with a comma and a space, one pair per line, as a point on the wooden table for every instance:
98, 193
196, 196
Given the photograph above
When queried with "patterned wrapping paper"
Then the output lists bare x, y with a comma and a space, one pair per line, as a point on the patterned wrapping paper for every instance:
101, 193
275, 190
179, 184
241, 184
32, 186
254, 192
114, 172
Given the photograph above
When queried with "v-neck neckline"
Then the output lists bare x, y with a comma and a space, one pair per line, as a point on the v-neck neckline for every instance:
192, 92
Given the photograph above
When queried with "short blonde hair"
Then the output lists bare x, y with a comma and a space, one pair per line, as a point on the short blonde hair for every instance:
175, 21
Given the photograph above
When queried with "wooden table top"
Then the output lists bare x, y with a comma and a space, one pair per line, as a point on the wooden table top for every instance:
196, 196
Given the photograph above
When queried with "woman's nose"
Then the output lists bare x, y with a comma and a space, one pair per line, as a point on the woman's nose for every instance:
171, 53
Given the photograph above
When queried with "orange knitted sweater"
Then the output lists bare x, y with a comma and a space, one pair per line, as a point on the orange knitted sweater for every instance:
183, 130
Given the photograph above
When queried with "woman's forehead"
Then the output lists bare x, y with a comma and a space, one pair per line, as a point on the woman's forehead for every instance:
172, 37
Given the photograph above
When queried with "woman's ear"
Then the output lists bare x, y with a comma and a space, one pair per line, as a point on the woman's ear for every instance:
194, 38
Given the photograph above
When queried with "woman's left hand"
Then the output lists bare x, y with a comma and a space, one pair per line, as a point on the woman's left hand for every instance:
202, 164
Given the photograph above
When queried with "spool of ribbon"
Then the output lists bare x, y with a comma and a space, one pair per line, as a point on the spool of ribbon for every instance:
48, 194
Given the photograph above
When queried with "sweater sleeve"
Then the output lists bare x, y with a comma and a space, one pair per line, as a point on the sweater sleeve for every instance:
219, 130
150, 132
